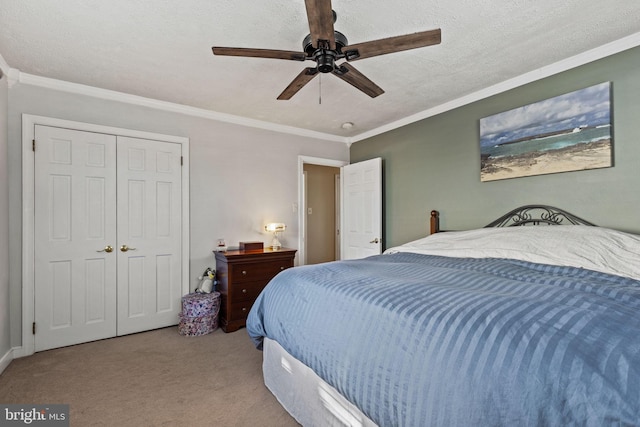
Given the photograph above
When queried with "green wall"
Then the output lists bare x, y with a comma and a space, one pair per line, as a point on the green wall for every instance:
435, 163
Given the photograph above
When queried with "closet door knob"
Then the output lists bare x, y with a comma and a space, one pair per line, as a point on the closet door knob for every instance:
107, 249
125, 248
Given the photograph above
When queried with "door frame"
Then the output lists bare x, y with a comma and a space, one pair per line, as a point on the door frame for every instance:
28, 218
302, 160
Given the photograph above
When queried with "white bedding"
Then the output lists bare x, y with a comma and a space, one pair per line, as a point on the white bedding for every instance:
592, 248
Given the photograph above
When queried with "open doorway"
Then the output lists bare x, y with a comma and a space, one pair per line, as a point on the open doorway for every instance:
319, 209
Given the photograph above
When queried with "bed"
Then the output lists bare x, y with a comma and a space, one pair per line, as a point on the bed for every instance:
504, 325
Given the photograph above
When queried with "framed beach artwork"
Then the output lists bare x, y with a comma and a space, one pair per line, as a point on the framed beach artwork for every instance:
569, 132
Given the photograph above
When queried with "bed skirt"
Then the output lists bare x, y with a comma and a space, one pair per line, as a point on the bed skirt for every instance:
310, 400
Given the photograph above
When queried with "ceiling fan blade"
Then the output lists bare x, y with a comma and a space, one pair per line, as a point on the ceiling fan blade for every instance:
320, 16
355, 78
391, 44
259, 53
298, 83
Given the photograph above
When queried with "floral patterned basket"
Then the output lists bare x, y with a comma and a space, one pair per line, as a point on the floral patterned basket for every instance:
199, 314
198, 304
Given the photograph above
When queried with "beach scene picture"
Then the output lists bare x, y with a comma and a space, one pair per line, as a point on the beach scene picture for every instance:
569, 132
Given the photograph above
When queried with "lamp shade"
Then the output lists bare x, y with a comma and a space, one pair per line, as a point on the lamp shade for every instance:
275, 227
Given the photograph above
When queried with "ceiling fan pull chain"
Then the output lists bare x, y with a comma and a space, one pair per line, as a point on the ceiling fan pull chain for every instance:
320, 89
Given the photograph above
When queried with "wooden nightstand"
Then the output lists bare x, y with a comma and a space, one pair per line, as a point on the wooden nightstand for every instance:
241, 277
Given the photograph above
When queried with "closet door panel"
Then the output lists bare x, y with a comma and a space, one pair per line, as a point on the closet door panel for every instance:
75, 220
149, 234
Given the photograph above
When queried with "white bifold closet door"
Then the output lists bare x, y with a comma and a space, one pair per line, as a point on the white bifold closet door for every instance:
107, 236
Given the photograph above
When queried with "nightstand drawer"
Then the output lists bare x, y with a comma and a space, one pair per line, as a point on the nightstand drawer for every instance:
247, 291
240, 310
250, 272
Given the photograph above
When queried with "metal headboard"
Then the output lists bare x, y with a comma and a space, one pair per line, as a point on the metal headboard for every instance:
537, 215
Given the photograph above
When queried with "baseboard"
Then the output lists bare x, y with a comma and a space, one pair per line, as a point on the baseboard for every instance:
5, 360
20, 352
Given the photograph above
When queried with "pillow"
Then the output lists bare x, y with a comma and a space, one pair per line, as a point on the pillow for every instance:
593, 248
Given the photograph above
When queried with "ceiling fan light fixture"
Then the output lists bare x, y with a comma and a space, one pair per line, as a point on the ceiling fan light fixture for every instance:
326, 61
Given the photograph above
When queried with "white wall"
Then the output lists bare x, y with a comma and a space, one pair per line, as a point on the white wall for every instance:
5, 342
241, 177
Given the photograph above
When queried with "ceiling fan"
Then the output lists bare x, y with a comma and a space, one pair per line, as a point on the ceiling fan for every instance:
325, 46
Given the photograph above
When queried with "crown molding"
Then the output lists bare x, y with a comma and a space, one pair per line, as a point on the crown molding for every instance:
14, 77
111, 95
532, 76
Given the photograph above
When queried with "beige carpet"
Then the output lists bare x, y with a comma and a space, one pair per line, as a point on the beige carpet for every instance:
156, 378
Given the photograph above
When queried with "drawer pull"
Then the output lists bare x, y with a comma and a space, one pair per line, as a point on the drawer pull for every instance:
244, 272
244, 309
282, 268
244, 291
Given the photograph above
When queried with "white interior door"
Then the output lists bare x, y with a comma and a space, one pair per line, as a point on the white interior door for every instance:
149, 234
362, 209
75, 224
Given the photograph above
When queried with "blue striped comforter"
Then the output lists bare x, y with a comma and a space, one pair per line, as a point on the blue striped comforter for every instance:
422, 340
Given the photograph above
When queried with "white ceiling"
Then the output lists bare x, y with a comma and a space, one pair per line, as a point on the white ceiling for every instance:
161, 49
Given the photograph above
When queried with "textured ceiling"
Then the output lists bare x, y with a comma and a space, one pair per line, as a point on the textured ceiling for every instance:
161, 49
